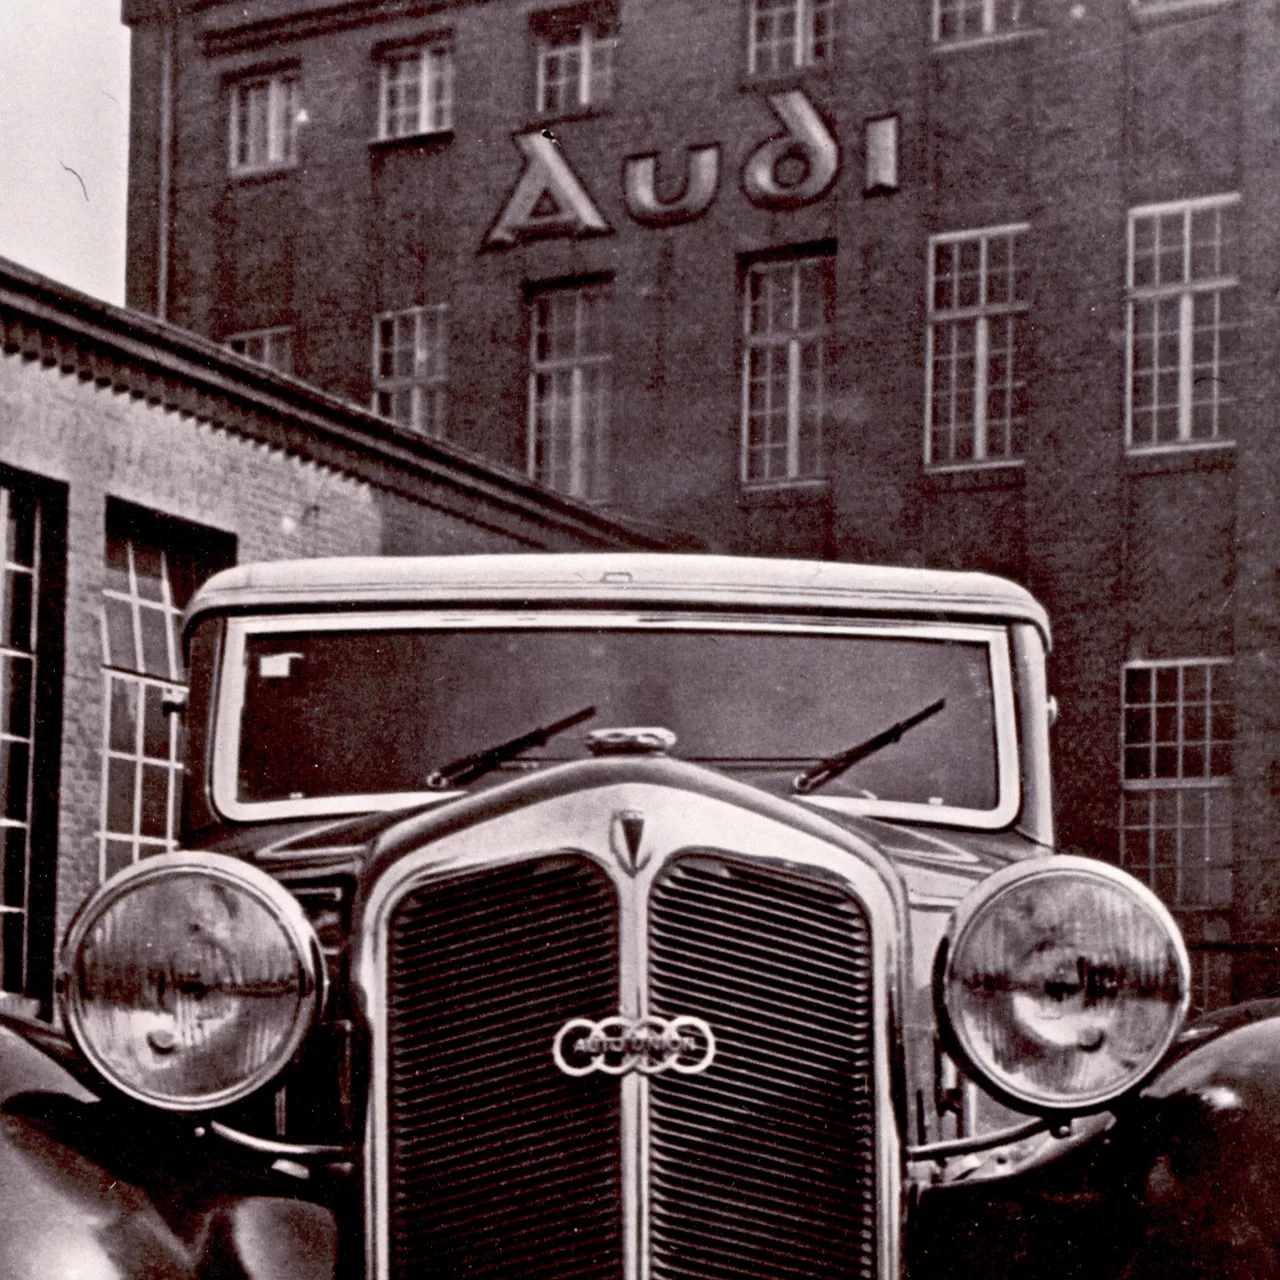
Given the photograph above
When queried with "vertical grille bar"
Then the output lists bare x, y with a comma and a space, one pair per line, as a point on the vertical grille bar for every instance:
764, 1166
500, 1165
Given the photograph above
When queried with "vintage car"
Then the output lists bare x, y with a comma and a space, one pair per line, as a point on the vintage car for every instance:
648, 917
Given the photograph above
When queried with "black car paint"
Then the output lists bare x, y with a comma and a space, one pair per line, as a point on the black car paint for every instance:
1179, 1188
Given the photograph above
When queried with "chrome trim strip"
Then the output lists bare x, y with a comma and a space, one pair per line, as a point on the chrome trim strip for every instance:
225, 751
675, 820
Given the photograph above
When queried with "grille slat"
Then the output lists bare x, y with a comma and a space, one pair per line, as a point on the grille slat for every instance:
499, 1165
764, 1165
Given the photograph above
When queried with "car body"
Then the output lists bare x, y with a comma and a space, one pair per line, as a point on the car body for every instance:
633, 915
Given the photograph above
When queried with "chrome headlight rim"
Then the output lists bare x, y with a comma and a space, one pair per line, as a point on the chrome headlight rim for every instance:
242, 877
973, 909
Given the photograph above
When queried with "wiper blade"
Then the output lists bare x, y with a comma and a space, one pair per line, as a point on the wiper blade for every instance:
824, 771
457, 773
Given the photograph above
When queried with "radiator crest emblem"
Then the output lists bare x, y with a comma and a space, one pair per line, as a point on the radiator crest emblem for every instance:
619, 1045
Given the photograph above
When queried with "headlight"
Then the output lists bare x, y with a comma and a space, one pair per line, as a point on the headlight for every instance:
1065, 982
190, 980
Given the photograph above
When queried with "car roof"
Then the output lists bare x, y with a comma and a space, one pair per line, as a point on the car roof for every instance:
614, 579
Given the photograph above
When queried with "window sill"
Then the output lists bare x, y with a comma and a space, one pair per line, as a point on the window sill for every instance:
756, 493
540, 119
780, 81
943, 48
1208, 455
1149, 13
435, 140
1008, 473
265, 173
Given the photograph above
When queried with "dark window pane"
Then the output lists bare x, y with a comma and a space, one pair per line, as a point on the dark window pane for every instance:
122, 734
15, 867
1167, 724
1220, 760
11, 948
1137, 764
19, 615
119, 856
20, 536
15, 696
121, 650
1137, 685
155, 733
1166, 684
1193, 684
1193, 762
148, 570
120, 796
1166, 762
155, 642
13, 780
1137, 726
155, 801
117, 564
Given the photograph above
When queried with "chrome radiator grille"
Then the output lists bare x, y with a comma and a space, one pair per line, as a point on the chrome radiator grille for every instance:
499, 1164
765, 1165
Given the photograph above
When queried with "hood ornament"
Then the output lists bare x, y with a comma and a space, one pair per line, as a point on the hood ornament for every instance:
619, 1045
650, 740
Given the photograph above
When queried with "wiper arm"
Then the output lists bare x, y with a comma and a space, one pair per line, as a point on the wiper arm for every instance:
820, 774
457, 773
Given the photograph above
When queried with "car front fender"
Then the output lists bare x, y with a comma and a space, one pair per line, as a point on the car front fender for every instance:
88, 1192
1210, 1139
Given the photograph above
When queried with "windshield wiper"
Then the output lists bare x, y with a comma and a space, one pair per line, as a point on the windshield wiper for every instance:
820, 774
457, 773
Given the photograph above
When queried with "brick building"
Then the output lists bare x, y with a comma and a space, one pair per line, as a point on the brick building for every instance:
135, 460
977, 283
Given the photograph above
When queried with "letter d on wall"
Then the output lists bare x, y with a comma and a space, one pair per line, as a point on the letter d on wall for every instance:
807, 147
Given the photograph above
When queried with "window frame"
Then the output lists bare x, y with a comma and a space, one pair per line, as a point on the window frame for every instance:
992, 28
981, 315
435, 112
588, 437
1185, 292
594, 88
277, 346
428, 384
283, 109
1178, 785
793, 340
807, 52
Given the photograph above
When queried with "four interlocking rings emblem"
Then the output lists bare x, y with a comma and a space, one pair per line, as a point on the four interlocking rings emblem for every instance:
618, 1045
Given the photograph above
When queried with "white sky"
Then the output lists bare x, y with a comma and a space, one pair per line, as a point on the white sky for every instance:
64, 100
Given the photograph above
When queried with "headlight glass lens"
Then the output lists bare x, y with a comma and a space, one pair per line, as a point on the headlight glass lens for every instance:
1066, 983
190, 983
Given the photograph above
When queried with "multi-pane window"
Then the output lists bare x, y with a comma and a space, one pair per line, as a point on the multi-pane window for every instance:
410, 368
787, 349
1176, 775
416, 92
569, 371
272, 347
786, 34
20, 558
264, 122
150, 578
974, 19
1183, 322
976, 358
575, 68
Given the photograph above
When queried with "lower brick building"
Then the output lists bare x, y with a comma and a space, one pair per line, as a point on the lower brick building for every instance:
135, 460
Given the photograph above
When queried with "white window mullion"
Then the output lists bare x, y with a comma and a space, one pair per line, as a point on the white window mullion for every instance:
577, 449
793, 407
1186, 354
981, 362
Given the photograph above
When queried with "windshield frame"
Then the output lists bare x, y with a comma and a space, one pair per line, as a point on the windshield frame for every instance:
225, 753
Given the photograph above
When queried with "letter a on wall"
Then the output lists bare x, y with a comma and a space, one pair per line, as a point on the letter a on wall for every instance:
549, 199
807, 147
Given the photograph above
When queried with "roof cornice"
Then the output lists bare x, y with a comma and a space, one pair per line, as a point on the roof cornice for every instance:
129, 351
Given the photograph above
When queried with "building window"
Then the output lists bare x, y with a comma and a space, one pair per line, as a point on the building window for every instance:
410, 368
272, 347
152, 569
976, 357
786, 34
576, 51
417, 92
974, 19
264, 123
20, 527
569, 372
1183, 323
787, 351
1176, 773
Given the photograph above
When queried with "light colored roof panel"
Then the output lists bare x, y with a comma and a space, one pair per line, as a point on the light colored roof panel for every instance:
620, 578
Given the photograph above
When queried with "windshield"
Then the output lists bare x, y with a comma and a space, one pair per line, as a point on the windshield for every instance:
363, 713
